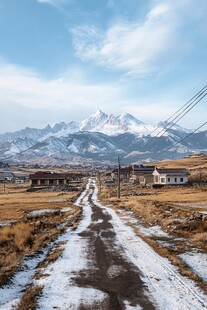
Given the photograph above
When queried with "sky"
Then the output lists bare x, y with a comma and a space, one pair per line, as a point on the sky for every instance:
61, 60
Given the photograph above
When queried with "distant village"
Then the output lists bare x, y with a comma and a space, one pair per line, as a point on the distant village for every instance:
139, 174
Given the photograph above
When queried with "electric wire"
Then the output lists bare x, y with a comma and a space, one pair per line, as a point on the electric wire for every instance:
186, 136
183, 108
181, 115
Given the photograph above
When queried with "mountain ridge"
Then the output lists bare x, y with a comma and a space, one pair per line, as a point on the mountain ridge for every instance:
98, 139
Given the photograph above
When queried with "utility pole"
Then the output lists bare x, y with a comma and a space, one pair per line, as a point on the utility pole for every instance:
99, 179
118, 189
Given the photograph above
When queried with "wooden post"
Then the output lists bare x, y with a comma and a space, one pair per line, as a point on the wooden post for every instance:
118, 189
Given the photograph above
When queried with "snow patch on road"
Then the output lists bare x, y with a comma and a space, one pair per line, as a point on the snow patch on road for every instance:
167, 288
59, 289
129, 307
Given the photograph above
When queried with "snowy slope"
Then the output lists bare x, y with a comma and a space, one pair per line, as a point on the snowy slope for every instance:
100, 137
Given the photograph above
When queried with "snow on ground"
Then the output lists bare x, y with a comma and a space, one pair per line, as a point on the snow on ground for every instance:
129, 307
59, 290
66, 209
198, 263
11, 294
39, 213
167, 288
7, 222
152, 231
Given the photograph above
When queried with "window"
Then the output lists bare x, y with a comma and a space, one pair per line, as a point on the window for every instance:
168, 179
175, 180
181, 179
156, 179
162, 180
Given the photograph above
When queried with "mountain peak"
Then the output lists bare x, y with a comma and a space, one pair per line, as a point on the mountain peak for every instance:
130, 119
98, 113
94, 120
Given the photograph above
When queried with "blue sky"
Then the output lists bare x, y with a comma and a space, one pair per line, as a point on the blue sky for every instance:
61, 60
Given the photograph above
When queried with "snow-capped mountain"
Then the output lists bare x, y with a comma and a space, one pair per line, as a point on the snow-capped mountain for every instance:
113, 125
100, 137
95, 120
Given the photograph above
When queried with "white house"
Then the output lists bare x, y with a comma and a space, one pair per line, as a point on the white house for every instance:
170, 176
9, 176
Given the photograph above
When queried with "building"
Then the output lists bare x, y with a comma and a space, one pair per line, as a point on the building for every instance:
2, 178
19, 179
47, 178
142, 174
125, 173
8, 176
170, 176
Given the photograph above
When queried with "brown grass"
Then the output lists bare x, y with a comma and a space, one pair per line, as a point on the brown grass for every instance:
178, 210
29, 299
16, 203
27, 235
193, 162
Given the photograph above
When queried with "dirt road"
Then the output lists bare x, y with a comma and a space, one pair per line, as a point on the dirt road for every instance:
105, 265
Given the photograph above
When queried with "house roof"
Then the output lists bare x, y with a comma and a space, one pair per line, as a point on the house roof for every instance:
47, 176
144, 170
8, 174
172, 171
143, 173
123, 170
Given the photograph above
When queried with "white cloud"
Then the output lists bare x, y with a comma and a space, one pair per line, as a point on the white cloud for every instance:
26, 99
131, 47
27, 88
56, 3
142, 47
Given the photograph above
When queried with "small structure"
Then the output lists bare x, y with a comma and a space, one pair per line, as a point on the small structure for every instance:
125, 173
47, 178
170, 176
142, 174
8, 176
19, 179
74, 177
2, 178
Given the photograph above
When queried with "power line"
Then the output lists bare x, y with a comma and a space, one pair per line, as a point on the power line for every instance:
182, 115
183, 108
186, 136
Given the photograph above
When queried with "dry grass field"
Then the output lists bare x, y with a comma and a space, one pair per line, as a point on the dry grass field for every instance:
24, 232
192, 162
17, 202
180, 211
